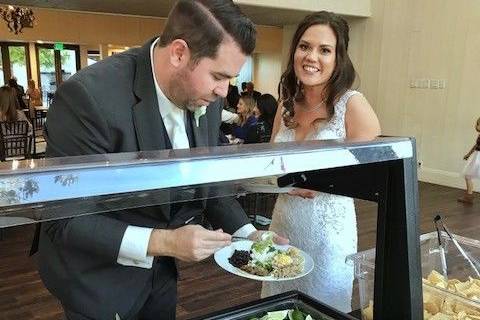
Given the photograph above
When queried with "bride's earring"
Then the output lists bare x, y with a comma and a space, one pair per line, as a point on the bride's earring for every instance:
298, 87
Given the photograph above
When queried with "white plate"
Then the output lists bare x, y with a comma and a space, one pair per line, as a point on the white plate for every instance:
265, 185
265, 188
222, 256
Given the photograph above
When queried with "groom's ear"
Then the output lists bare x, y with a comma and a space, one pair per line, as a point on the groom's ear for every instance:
179, 53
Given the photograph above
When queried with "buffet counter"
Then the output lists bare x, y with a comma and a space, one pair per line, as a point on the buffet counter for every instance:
383, 170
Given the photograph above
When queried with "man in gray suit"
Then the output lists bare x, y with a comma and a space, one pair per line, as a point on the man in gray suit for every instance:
120, 265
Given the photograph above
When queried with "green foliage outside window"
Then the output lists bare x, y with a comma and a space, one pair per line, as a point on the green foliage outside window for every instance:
46, 56
17, 55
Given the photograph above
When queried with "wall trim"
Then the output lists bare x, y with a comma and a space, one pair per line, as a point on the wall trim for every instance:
445, 178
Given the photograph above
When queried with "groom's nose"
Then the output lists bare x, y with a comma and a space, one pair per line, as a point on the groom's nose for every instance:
222, 88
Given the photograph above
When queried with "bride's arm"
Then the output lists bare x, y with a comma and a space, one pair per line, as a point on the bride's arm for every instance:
361, 122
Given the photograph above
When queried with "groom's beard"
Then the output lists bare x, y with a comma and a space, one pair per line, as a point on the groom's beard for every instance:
181, 93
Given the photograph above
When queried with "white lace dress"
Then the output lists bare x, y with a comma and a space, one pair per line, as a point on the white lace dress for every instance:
325, 227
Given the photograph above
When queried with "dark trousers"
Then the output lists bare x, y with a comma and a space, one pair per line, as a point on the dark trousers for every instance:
161, 302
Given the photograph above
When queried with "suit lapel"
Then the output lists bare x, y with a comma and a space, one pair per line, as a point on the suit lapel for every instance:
148, 122
146, 114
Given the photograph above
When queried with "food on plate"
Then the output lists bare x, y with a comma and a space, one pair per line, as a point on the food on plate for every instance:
264, 259
442, 307
288, 314
239, 258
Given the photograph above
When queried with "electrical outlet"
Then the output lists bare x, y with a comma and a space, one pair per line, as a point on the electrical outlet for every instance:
434, 84
424, 83
419, 164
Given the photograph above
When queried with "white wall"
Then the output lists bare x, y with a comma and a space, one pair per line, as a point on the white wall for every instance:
346, 7
267, 72
427, 39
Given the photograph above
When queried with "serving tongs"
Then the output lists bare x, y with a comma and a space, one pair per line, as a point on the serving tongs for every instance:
472, 261
441, 247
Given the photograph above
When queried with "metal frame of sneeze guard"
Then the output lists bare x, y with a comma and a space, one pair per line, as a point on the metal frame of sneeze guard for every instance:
41, 181
383, 171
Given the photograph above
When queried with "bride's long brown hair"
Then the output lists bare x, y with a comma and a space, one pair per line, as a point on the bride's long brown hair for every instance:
290, 90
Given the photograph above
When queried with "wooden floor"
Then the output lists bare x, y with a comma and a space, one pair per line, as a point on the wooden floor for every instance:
203, 287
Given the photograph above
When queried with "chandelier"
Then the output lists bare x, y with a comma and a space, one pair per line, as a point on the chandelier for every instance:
17, 18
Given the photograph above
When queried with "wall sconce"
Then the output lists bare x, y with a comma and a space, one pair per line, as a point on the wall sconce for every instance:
17, 18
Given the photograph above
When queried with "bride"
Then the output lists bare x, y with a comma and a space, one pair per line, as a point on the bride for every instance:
317, 103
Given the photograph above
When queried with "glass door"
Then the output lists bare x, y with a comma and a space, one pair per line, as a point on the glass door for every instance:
47, 82
15, 62
54, 67
2, 74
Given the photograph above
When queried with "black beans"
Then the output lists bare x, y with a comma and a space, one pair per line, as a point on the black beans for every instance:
239, 258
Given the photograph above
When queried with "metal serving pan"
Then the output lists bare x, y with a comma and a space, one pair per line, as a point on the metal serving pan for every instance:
287, 300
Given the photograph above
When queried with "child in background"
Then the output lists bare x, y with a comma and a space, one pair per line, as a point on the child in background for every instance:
472, 168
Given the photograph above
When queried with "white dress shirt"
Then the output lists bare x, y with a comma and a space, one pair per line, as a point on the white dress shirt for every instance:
133, 249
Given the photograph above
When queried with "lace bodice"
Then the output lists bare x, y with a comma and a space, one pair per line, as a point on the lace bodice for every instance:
334, 129
324, 226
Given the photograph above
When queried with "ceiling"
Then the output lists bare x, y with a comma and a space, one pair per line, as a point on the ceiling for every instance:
159, 8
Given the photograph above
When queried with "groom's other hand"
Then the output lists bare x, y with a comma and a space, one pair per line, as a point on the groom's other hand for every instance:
189, 243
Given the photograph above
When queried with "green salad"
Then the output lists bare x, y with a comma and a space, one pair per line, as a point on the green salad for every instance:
288, 314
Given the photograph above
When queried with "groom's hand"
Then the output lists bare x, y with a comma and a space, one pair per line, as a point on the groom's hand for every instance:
188, 243
257, 235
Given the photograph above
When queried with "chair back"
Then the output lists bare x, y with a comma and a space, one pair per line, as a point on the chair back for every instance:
14, 140
38, 123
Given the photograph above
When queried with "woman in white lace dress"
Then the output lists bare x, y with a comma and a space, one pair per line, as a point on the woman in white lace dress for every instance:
316, 104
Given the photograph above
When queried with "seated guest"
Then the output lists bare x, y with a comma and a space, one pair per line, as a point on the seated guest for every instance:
244, 88
252, 92
34, 94
9, 108
265, 112
245, 109
232, 96
19, 92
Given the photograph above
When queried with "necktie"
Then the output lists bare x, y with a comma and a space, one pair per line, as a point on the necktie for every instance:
177, 133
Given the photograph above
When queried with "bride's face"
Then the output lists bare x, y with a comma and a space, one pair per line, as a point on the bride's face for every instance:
315, 55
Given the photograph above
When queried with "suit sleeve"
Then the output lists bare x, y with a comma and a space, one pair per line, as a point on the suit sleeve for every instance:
223, 212
226, 213
76, 126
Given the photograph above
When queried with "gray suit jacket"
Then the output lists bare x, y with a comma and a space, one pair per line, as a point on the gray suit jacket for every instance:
112, 107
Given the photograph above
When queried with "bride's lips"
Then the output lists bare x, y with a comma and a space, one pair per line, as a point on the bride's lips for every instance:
309, 69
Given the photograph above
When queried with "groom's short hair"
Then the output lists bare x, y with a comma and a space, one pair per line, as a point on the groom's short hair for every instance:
203, 25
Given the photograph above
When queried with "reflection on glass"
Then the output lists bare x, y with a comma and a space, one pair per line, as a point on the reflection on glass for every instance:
69, 64
18, 64
66, 180
46, 58
17, 189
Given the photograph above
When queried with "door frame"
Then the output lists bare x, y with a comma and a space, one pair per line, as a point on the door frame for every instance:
57, 60
7, 72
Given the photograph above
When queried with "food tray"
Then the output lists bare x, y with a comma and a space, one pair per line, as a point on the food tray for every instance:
287, 300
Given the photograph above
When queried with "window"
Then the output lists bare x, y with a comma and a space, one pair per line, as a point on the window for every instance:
93, 56
15, 62
54, 67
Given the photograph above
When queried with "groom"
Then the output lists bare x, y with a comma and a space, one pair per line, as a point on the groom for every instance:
121, 264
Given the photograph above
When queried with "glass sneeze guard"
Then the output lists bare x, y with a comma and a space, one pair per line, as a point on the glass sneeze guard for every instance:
54, 188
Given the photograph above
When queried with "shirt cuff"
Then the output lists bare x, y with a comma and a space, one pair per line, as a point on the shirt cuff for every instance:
134, 246
245, 231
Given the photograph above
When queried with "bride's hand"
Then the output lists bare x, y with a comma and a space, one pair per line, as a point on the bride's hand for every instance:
304, 193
